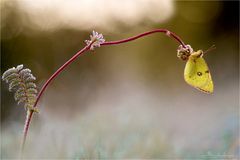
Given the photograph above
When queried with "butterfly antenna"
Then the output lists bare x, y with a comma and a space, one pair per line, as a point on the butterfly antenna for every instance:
210, 49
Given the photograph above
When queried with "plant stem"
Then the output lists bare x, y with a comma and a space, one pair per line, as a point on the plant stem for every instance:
167, 32
86, 48
30, 112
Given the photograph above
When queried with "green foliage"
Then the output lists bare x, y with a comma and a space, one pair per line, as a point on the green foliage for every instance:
21, 81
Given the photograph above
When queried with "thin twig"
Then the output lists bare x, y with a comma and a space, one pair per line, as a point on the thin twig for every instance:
30, 112
86, 48
167, 32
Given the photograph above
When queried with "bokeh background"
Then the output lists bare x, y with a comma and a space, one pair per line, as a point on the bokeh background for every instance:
128, 100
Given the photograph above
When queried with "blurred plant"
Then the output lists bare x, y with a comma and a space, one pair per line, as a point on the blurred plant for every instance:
22, 81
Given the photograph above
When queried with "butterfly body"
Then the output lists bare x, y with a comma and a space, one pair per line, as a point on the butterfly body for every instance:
197, 74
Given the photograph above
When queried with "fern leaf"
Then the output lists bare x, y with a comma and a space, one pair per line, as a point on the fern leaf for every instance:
31, 85
21, 81
32, 91
11, 77
30, 79
20, 96
15, 84
23, 100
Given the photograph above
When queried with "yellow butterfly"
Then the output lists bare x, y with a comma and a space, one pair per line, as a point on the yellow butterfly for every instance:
196, 72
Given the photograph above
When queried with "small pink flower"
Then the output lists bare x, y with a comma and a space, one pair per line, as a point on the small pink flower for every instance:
96, 39
187, 49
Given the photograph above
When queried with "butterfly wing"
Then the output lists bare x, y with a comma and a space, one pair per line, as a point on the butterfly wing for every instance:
197, 74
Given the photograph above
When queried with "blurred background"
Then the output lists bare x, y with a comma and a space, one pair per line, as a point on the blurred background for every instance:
128, 100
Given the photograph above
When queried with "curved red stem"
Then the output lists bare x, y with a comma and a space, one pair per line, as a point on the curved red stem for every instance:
30, 112
167, 32
56, 73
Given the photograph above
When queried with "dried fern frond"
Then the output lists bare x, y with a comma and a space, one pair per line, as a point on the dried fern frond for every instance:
21, 81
